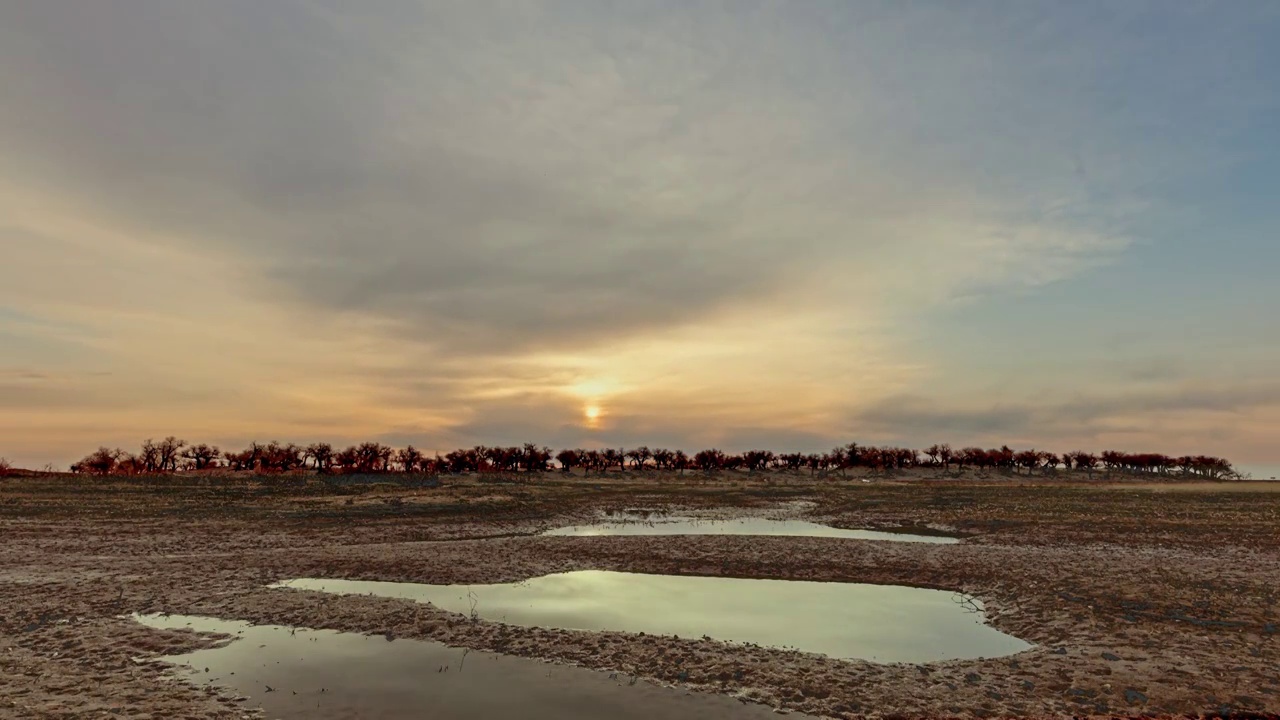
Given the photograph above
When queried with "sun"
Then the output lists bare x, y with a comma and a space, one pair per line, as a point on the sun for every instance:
592, 412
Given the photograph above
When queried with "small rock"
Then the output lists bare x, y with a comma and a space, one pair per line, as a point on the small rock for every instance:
1110, 656
972, 678
1249, 702
1134, 697
1059, 651
1082, 693
1028, 685
994, 695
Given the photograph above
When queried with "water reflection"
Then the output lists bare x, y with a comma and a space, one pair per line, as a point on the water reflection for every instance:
657, 524
319, 674
843, 620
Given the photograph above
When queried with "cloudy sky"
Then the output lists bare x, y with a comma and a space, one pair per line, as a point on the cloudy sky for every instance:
731, 223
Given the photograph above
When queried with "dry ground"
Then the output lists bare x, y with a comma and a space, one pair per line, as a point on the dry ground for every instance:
1156, 603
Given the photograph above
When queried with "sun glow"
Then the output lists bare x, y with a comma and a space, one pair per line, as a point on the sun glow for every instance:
592, 412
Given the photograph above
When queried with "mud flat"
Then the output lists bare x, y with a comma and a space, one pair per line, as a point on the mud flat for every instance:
1137, 603
300, 674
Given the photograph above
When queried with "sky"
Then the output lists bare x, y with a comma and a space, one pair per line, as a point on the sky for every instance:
685, 224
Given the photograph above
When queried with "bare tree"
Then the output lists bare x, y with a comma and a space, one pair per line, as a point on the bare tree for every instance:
168, 451
663, 458
102, 461
680, 461
410, 459
933, 452
202, 456
321, 454
709, 460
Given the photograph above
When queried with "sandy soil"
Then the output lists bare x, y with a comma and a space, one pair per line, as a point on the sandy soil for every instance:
1139, 602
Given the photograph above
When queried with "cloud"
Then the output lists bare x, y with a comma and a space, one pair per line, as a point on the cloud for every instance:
563, 425
492, 182
398, 217
1142, 414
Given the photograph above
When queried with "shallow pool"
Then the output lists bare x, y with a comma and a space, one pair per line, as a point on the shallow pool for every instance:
638, 524
294, 673
882, 623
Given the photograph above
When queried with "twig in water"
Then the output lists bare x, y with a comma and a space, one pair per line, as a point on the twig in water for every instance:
966, 602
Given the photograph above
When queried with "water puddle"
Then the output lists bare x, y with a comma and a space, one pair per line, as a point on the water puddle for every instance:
656, 524
881, 623
297, 673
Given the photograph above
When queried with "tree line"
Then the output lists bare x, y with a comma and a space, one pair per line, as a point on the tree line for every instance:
173, 455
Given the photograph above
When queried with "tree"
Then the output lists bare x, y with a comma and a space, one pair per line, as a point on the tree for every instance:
663, 458
367, 457
680, 461
974, 456
591, 460
410, 459
150, 456
275, 457
815, 463
1085, 461
460, 461
709, 460
168, 451
946, 455
613, 457
1049, 461
500, 459
933, 452
792, 461
321, 454
1003, 457
435, 465
757, 459
643, 454
838, 458
6, 467
202, 456
1028, 459
171, 454
127, 464
568, 459
1112, 460
102, 461
853, 455
535, 459
251, 458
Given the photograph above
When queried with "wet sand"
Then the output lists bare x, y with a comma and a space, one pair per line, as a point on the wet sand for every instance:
1139, 603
